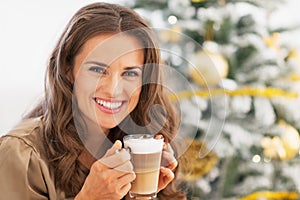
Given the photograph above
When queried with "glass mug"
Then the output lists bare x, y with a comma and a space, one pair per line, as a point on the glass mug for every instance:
146, 152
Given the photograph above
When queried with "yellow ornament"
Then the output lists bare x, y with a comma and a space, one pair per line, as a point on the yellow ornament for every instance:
285, 147
290, 140
207, 68
272, 195
272, 41
293, 55
273, 147
197, 161
198, 1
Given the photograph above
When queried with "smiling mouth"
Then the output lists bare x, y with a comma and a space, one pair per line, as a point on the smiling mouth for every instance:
112, 105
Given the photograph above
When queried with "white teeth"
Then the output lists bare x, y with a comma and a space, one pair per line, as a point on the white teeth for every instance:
109, 105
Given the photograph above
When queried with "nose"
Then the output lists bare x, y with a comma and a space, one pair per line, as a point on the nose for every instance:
110, 85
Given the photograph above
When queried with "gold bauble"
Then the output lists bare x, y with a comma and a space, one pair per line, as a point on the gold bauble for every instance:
273, 147
197, 161
208, 68
290, 140
284, 147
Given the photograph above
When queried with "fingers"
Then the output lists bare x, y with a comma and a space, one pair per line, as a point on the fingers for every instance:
167, 147
126, 180
116, 159
123, 183
118, 177
165, 177
168, 160
158, 136
126, 167
106, 183
125, 189
167, 173
117, 146
110, 177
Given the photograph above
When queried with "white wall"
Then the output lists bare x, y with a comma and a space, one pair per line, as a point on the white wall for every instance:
28, 32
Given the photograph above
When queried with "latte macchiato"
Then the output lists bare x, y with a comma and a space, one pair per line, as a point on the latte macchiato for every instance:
145, 156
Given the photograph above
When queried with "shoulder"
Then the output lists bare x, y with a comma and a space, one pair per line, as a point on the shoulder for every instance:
26, 135
23, 162
23, 144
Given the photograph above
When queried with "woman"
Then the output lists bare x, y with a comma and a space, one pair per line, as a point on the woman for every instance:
101, 84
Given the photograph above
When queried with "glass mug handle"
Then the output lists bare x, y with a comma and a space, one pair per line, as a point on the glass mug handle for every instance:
123, 149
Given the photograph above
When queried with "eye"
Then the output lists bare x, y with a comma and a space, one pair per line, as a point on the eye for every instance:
131, 73
99, 70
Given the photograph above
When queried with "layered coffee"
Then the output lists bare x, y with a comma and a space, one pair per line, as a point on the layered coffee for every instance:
146, 157
146, 168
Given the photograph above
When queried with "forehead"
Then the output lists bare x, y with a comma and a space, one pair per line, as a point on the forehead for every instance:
112, 46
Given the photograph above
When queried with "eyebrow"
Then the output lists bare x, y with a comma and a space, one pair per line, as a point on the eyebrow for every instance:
105, 65
97, 63
134, 67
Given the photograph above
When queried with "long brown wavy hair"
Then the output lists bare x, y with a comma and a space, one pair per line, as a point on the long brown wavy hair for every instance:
61, 139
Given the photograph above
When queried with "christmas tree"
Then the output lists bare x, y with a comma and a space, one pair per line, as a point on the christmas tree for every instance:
235, 83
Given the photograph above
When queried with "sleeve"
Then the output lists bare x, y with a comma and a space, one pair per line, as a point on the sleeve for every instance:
21, 177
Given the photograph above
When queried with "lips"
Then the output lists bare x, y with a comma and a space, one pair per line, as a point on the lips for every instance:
108, 105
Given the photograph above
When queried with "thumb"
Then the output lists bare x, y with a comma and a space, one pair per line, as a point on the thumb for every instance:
116, 146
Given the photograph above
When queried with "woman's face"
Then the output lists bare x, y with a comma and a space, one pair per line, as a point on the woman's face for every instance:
108, 78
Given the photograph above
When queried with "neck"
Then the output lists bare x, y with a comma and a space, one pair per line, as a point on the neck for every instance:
95, 142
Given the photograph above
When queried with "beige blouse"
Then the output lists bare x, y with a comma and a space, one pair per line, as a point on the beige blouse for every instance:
24, 172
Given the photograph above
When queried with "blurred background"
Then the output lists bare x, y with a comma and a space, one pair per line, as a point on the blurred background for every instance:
239, 102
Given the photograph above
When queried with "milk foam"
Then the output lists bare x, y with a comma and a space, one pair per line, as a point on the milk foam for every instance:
142, 145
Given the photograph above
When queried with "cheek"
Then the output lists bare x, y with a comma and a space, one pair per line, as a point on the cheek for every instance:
79, 89
84, 86
134, 95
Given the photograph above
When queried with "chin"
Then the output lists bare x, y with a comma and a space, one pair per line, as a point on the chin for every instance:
107, 126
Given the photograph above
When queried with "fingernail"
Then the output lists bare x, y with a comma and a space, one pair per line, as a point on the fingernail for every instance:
118, 144
134, 175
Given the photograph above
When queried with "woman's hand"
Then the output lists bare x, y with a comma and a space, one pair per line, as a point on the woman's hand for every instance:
110, 177
169, 164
